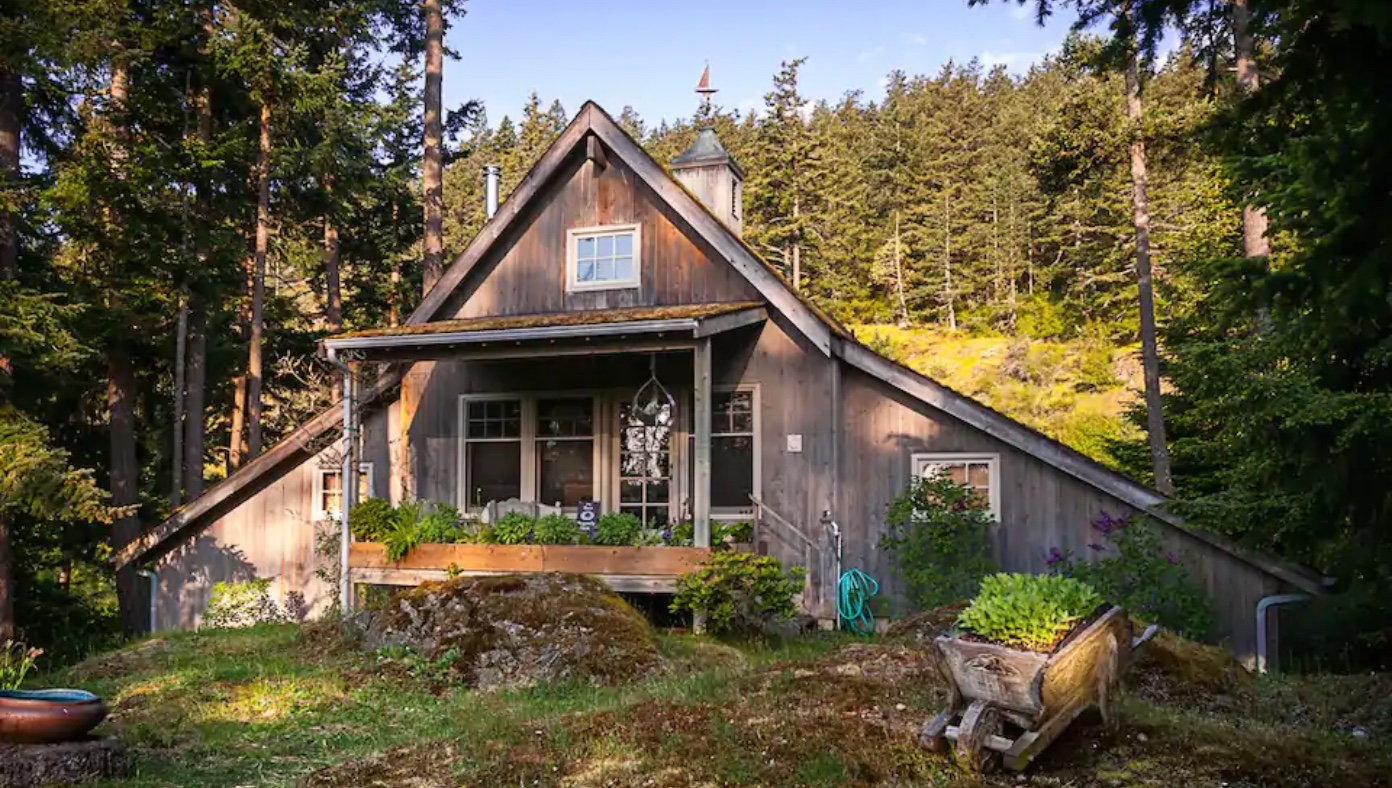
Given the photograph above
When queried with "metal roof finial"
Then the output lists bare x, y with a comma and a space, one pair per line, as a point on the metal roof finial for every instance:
705, 91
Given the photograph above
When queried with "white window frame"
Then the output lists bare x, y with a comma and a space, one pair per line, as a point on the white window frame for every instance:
528, 489
317, 502
573, 236
747, 511
920, 461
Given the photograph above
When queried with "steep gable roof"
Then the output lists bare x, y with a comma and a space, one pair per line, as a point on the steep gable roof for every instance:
818, 328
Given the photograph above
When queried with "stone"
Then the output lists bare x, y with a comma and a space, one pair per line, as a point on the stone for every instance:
66, 763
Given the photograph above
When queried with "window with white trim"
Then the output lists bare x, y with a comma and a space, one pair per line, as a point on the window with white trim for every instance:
603, 258
645, 463
492, 450
565, 450
980, 472
328, 489
734, 458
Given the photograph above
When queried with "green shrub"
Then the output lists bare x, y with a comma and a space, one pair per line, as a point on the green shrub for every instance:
682, 535
557, 529
241, 605
512, 528
370, 520
617, 528
1040, 317
1149, 581
1031, 612
737, 533
442, 526
740, 593
939, 536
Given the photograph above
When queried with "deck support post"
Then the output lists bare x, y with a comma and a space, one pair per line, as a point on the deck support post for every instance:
701, 459
349, 485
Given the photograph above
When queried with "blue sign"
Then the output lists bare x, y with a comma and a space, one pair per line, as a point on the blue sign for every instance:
587, 515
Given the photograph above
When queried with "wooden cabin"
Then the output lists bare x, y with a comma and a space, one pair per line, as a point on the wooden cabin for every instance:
516, 379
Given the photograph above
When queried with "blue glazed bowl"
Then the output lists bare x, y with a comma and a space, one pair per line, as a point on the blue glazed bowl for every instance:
45, 716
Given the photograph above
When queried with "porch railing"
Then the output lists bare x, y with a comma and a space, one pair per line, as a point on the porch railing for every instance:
816, 554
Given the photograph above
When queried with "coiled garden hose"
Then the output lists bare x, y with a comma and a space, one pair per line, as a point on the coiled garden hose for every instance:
853, 593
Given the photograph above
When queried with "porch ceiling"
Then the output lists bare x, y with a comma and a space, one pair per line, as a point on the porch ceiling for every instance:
446, 338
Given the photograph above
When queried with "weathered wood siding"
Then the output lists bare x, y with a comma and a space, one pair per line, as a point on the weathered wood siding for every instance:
1041, 507
269, 535
526, 273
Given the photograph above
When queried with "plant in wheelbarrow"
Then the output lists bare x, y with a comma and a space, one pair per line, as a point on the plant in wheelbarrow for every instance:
1028, 655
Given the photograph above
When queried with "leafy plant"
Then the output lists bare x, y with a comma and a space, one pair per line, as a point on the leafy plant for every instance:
442, 526
736, 533
1142, 576
370, 520
403, 536
512, 528
938, 535
682, 534
617, 528
241, 605
557, 529
1032, 612
16, 660
740, 593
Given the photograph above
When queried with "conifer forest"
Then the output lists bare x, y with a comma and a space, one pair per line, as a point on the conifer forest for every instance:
1174, 258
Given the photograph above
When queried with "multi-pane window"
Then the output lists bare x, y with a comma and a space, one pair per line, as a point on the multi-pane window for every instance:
565, 450
645, 463
734, 452
603, 258
328, 494
493, 450
980, 472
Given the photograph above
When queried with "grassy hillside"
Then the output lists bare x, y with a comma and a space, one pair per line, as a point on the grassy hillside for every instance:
1074, 391
281, 705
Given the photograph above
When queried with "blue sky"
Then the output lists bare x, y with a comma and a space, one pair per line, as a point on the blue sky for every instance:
650, 54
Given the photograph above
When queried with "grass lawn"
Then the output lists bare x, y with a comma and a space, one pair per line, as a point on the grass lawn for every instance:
277, 705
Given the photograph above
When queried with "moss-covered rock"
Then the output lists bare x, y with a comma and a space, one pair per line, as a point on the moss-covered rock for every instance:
519, 630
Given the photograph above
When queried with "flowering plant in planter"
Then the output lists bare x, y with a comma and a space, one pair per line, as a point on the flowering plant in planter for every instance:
1030, 612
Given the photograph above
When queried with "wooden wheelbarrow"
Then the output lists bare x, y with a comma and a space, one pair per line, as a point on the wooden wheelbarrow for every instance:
1009, 704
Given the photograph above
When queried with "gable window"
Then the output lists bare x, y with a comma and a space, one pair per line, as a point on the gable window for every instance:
602, 258
328, 489
493, 449
565, 450
980, 472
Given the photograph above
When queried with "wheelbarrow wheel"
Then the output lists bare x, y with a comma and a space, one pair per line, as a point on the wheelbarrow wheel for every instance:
981, 721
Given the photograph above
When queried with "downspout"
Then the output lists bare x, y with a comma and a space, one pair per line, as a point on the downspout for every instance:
1263, 605
349, 483
154, 597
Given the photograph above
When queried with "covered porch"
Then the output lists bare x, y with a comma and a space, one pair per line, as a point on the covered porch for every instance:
579, 413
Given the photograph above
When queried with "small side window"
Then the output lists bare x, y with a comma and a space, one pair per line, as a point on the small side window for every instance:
328, 490
603, 258
980, 472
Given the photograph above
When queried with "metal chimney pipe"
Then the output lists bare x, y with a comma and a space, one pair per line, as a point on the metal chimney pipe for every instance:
491, 175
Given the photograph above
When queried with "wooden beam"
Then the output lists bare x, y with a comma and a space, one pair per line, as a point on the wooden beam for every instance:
701, 458
1056, 455
505, 352
719, 324
594, 151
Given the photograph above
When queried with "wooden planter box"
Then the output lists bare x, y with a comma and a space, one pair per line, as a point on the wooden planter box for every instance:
1041, 694
625, 568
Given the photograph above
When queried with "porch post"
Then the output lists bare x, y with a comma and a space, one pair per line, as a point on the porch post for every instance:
349, 487
701, 407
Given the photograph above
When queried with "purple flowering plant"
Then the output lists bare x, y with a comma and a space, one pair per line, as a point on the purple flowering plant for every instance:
1131, 567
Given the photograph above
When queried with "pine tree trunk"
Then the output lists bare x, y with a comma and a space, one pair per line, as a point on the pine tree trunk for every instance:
899, 277
125, 475
7, 614
433, 168
394, 297
11, 123
258, 285
333, 295
176, 459
195, 382
236, 442
1150, 351
797, 246
1254, 224
947, 263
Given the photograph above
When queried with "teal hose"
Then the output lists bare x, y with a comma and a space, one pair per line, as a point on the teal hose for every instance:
853, 593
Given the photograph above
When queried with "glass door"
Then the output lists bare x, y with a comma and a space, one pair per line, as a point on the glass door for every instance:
645, 462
